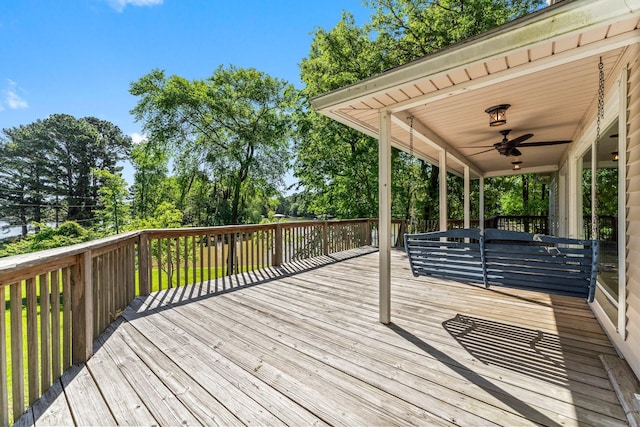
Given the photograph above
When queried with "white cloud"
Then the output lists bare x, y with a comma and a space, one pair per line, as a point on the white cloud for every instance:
15, 102
137, 138
119, 5
12, 99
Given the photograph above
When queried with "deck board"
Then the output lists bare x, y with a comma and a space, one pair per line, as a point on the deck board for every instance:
302, 345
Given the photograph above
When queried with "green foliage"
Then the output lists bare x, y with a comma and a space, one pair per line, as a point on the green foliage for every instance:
114, 214
68, 233
337, 166
228, 136
607, 191
47, 165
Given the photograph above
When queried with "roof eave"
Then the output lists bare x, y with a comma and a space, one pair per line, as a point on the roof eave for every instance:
552, 22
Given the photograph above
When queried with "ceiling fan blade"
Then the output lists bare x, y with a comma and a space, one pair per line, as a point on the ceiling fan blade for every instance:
521, 138
480, 152
542, 143
515, 152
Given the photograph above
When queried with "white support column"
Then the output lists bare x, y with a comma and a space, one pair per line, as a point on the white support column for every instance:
443, 190
384, 215
467, 195
481, 203
574, 198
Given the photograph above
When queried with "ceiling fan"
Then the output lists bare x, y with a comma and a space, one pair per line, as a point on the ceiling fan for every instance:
508, 147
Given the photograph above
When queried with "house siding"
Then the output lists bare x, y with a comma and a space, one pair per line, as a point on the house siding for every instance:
631, 346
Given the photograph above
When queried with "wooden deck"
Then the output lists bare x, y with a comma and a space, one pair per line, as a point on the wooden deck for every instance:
302, 345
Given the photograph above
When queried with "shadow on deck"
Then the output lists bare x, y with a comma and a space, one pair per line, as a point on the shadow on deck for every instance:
302, 345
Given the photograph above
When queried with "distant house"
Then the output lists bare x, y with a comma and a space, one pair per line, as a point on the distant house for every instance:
546, 68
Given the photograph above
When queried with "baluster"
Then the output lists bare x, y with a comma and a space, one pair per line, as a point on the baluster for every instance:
55, 324
45, 332
200, 241
17, 361
194, 258
159, 255
4, 391
186, 260
32, 341
66, 318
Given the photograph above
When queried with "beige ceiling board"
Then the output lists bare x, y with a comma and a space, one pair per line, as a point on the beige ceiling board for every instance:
518, 58
566, 43
476, 71
496, 65
623, 27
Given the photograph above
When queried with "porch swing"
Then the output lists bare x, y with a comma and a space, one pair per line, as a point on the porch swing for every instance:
526, 261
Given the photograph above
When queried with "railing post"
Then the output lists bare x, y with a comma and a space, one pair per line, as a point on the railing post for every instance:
82, 308
143, 264
277, 256
325, 237
367, 231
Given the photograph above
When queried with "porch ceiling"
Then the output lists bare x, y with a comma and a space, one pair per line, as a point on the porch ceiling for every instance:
545, 66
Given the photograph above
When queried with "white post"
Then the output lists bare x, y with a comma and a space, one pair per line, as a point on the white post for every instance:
467, 195
574, 198
384, 215
443, 190
481, 203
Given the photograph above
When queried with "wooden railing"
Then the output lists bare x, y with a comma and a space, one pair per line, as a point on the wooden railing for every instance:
57, 302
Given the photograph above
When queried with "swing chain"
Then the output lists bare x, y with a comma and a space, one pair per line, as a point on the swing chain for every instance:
595, 232
412, 220
600, 97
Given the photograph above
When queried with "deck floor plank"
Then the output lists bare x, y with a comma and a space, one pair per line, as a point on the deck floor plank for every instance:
283, 366
126, 405
549, 399
301, 345
165, 406
244, 394
86, 403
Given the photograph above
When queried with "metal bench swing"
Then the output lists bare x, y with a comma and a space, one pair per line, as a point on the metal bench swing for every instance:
511, 259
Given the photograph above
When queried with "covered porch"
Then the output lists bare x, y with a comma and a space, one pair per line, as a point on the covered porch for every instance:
300, 344
568, 77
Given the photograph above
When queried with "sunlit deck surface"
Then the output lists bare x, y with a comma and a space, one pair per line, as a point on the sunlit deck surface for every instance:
302, 345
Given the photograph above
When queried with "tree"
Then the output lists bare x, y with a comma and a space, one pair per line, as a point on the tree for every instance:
150, 186
233, 127
25, 172
338, 166
47, 164
78, 147
115, 213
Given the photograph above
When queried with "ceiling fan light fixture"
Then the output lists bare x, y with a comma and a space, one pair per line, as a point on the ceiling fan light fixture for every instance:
516, 165
614, 156
497, 114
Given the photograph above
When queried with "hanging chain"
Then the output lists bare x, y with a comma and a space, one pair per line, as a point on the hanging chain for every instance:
600, 98
412, 218
595, 232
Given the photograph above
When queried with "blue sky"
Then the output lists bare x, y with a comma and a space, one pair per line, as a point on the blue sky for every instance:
79, 56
